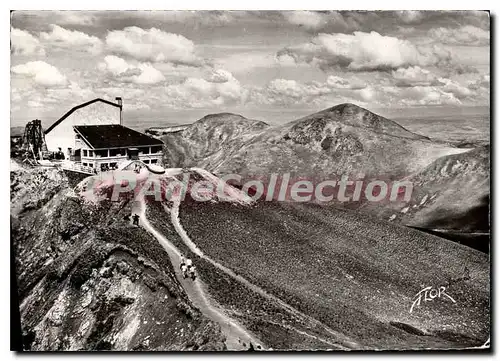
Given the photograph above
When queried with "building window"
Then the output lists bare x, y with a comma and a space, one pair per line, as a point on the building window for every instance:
84, 164
91, 153
154, 161
112, 165
146, 161
155, 150
117, 152
85, 152
91, 165
101, 153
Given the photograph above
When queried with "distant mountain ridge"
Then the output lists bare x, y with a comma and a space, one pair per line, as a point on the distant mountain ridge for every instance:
344, 139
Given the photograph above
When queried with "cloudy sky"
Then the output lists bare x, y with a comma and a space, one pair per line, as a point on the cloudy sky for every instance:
178, 66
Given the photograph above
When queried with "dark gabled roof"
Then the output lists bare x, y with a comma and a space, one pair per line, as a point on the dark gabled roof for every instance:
57, 122
114, 136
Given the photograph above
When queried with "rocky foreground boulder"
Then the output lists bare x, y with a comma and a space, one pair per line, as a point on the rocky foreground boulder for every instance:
88, 280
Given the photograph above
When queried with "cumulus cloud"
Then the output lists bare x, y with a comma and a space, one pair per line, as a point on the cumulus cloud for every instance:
420, 95
482, 82
42, 73
248, 60
292, 92
455, 88
152, 45
363, 52
61, 17
71, 39
148, 75
195, 17
214, 91
114, 65
142, 73
34, 104
294, 89
404, 97
219, 76
465, 35
410, 16
308, 19
367, 94
337, 21
441, 91
23, 43
76, 17
413, 76
337, 82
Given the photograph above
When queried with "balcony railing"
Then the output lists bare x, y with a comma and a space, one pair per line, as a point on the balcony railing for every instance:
121, 156
78, 167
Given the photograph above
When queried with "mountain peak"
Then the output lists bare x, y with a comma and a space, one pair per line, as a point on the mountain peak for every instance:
347, 107
228, 120
352, 115
222, 115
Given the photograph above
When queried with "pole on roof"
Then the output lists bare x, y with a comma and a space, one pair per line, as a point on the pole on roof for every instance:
120, 103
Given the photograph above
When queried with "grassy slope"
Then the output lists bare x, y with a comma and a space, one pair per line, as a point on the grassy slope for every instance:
350, 271
258, 314
461, 183
451, 193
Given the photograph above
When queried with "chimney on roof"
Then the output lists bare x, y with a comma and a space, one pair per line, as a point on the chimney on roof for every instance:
120, 103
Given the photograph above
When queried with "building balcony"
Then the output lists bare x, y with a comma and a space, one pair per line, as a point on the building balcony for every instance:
121, 156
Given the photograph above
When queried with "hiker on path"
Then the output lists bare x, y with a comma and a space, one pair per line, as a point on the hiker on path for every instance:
136, 219
184, 270
192, 272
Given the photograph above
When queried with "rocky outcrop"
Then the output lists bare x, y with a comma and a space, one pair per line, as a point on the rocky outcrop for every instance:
88, 280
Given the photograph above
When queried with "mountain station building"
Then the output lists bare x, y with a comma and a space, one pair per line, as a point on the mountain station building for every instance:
92, 137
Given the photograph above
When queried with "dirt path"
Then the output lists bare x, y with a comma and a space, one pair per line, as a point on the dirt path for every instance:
342, 341
196, 291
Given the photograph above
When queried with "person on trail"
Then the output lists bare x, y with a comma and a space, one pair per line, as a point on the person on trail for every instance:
184, 270
187, 267
192, 272
251, 348
127, 218
136, 219
183, 262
